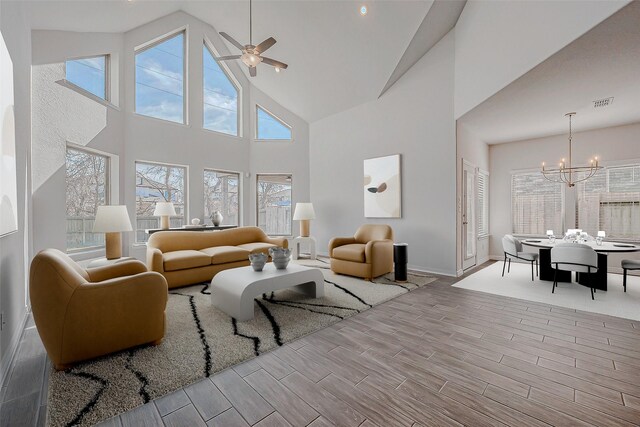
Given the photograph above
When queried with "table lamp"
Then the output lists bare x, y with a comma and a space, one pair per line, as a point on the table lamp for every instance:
600, 238
549, 233
112, 220
164, 210
303, 213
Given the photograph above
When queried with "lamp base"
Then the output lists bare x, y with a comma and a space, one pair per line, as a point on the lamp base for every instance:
164, 222
113, 245
304, 228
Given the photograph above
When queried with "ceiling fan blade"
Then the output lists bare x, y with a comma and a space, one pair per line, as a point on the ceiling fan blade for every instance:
231, 40
265, 45
253, 71
228, 58
274, 63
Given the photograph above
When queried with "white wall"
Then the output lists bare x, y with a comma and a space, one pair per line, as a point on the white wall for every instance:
14, 248
473, 150
415, 119
612, 145
498, 41
62, 115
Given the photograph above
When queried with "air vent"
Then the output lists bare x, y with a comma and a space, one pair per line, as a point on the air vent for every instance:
604, 102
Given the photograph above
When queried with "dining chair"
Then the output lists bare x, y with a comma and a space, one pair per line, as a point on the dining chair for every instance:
628, 264
513, 249
574, 257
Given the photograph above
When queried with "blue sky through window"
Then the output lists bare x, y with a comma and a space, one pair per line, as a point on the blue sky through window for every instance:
160, 80
220, 97
89, 74
271, 128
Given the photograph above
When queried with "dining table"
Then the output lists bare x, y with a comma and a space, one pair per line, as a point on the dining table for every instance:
597, 279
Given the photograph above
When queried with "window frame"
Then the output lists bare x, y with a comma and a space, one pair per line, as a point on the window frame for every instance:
185, 72
258, 175
234, 81
278, 119
563, 195
186, 193
107, 78
628, 163
109, 189
240, 191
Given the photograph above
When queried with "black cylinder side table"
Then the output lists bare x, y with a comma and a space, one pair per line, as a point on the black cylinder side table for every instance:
400, 260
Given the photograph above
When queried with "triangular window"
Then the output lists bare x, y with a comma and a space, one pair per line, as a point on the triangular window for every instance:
271, 127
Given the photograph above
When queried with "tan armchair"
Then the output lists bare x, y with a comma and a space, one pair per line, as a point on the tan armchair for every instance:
81, 314
368, 254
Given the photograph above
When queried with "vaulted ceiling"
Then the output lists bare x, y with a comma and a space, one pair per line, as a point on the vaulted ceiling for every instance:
337, 58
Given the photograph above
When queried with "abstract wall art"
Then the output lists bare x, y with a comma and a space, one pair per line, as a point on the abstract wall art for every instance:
8, 173
382, 189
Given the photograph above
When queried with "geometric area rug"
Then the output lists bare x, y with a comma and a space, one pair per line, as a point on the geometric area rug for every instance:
201, 340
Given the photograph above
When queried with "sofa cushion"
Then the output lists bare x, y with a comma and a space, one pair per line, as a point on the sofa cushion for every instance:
353, 252
180, 260
224, 254
254, 248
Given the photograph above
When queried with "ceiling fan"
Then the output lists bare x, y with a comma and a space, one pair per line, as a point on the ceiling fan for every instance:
252, 55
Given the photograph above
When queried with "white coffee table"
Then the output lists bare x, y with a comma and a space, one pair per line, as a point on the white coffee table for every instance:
234, 290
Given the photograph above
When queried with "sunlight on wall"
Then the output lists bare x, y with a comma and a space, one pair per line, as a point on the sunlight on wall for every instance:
60, 115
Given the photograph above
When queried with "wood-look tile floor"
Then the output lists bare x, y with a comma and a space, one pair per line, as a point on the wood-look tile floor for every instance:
436, 356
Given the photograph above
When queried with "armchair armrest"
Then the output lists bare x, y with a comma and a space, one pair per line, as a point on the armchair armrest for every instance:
378, 251
278, 241
339, 241
154, 260
125, 268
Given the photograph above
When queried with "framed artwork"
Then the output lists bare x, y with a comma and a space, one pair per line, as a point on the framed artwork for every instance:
8, 173
382, 189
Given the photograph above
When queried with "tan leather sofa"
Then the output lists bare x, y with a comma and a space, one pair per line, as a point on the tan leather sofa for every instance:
368, 254
191, 257
81, 314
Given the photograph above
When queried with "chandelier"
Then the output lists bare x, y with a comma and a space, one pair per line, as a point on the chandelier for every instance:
567, 173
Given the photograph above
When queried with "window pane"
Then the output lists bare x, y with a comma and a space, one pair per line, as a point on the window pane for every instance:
158, 183
221, 194
160, 80
536, 204
274, 204
220, 97
86, 189
269, 127
610, 201
89, 74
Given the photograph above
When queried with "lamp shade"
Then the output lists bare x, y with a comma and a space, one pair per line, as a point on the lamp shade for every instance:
164, 209
549, 232
304, 211
602, 234
112, 219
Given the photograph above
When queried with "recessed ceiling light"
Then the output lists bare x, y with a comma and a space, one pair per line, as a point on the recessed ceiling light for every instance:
363, 10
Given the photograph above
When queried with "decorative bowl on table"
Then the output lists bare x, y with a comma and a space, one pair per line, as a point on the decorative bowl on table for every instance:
258, 261
280, 257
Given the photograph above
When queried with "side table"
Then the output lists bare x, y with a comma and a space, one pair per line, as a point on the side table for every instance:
101, 262
296, 241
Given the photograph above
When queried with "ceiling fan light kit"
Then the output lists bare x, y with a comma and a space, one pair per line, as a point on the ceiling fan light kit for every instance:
252, 55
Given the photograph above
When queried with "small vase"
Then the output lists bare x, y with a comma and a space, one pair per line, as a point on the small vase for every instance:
216, 218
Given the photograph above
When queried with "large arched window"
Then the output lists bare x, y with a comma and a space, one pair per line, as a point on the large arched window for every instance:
220, 96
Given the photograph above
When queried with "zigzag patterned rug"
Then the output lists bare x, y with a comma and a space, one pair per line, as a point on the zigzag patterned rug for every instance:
201, 340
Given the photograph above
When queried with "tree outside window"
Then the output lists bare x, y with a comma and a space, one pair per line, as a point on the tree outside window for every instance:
158, 183
274, 204
87, 187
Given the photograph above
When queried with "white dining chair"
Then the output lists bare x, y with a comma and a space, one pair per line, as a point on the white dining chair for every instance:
513, 249
628, 264
574, 257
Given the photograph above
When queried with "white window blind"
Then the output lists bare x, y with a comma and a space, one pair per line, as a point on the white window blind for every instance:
483, 204
610, 201
536, 204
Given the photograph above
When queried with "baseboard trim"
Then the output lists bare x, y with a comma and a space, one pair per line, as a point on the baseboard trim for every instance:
7, 362
430, 271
